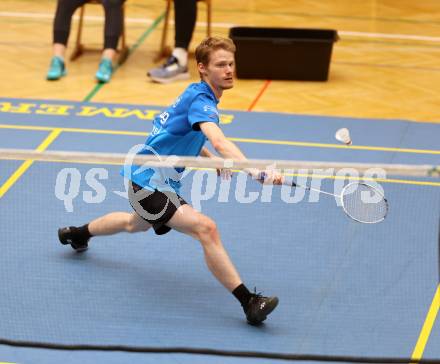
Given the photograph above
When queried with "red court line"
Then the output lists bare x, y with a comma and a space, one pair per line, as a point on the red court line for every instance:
265, 86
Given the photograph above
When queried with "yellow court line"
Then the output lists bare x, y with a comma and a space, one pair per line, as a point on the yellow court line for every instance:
336, 146
26, 164
427, 326
73, 130
241, 140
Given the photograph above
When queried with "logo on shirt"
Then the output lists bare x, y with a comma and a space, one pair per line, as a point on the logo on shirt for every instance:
164, 117
212, 110
177, 101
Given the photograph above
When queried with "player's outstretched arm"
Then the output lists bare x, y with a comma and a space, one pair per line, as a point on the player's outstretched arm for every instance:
223, 146
227, 149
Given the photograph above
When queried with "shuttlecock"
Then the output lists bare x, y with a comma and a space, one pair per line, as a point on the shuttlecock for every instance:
343, 135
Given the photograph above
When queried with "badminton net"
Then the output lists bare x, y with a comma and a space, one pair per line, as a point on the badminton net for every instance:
349, 292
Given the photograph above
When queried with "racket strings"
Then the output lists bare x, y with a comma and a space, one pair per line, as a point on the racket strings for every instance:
364, 203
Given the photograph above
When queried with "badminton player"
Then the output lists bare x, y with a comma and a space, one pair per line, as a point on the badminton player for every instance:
154, 194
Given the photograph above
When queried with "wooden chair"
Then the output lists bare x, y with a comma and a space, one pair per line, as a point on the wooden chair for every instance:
164, 50
79, 47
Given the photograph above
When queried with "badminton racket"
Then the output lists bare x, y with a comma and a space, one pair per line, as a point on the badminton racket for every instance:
360, 201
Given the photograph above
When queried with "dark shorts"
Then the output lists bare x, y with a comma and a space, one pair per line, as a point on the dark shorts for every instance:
156, 207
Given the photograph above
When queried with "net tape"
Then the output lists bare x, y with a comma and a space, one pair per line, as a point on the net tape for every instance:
425, 170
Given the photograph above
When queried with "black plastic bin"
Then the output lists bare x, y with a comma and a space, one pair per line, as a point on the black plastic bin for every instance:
283, 53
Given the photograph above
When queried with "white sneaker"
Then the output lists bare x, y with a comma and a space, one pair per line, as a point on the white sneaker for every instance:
170, 71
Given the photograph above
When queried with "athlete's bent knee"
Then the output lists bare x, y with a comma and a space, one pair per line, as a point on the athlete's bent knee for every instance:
133, 226
207, 228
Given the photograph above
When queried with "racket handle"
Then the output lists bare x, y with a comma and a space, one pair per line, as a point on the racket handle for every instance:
262, 177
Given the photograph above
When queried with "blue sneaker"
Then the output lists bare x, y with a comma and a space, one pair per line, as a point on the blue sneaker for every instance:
56, 69
105, 70
169, 72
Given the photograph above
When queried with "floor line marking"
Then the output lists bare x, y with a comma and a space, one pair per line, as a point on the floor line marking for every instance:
260, 93
427, 326
234, 139
26, 164
128, 20
138, 42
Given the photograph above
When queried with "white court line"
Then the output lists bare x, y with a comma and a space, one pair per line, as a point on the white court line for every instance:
227, 26
8, 14
390, 36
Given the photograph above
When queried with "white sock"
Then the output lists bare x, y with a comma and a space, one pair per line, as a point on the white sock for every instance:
182, 56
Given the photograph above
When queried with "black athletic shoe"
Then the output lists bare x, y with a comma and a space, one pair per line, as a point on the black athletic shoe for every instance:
67, 236
259, 307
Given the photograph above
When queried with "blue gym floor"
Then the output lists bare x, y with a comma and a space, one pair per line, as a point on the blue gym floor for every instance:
345, 288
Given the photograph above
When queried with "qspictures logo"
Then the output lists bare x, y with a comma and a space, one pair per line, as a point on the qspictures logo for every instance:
204, 184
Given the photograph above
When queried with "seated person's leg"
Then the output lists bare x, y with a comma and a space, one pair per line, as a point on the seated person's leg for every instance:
61, 31
175, 68
112, 33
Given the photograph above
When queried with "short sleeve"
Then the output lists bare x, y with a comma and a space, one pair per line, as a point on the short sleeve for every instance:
203, 109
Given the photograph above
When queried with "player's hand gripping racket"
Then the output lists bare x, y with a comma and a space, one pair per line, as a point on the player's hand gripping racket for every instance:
360, 201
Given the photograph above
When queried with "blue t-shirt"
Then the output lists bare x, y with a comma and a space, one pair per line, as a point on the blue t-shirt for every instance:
176, 131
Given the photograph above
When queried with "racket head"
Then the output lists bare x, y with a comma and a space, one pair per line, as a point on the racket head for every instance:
364, 203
